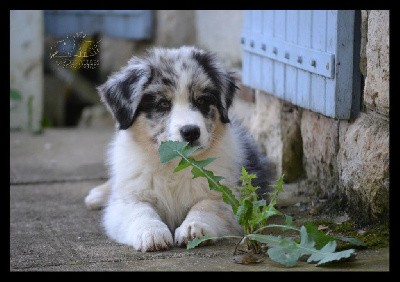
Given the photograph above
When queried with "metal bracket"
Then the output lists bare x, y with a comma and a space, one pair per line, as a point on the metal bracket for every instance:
308, 59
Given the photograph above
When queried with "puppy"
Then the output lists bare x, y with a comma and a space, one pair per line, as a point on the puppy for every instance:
172, 94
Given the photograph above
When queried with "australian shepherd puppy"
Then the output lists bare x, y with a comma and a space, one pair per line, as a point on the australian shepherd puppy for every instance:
172, 94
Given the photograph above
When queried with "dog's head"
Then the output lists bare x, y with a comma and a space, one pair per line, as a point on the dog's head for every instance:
171, 94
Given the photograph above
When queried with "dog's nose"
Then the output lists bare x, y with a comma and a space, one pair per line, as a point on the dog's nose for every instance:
190, 132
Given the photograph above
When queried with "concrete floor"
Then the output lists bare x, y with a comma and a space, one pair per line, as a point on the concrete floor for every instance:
51, 230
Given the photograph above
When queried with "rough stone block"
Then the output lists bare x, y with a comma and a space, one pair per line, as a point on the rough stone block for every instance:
363, 164
376, 91
266, 127
364, 38
320, 136
292, 144
276, 126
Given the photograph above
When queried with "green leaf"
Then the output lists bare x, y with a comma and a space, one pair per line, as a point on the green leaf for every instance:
244, 212
265, 239
270, 211
288, 222
320, 238
182, 165
203, 163
284, 256
196, 172
169, 150
187, 150
196, 241
307, 244
287, 251
259, 203
327, 254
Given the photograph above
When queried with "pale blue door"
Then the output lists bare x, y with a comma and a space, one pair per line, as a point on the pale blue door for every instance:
309, 58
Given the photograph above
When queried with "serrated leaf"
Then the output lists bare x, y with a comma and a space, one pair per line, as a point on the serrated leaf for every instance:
169, 150
229, 198
187, 150
287, 251
265, 239
246, 176
259, 203
307, 243
288, 222
284, 256
203, 163
182, 165
327, 254
282, 250
278, 186
244, 212
257, 219
270, 211
196, 172
196, 241
320, 238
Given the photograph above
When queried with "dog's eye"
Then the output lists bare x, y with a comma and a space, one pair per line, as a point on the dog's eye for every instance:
201, 101
165, 104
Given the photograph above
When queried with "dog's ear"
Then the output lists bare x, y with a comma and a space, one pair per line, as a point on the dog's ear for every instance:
122, 92
230, 89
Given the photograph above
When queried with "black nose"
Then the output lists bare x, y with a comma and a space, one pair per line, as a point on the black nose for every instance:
190, 132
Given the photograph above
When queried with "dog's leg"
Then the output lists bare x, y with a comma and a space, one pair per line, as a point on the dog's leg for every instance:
97, 197
137, 224
211, 217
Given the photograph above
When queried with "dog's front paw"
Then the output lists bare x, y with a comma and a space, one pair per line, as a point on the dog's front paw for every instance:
154, 236
190, 230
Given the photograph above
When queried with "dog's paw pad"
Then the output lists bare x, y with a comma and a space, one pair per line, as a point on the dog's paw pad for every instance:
151, 239
188, 231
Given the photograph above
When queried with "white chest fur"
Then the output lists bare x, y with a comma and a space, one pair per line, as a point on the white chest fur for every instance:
139, 176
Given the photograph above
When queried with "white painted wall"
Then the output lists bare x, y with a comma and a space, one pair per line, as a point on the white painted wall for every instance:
26, 68
219, 31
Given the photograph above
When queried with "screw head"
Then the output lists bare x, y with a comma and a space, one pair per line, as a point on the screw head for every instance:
263, 47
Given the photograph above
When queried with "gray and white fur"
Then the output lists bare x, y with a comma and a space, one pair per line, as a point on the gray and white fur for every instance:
179, 94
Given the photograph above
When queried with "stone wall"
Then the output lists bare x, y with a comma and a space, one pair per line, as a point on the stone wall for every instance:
346, 162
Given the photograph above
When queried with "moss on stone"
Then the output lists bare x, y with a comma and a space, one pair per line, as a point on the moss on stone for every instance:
375, 237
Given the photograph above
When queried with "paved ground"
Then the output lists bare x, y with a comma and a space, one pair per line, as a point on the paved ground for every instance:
50, 229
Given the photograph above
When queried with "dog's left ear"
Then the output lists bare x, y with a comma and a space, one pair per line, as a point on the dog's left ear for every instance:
121, 93
230, 88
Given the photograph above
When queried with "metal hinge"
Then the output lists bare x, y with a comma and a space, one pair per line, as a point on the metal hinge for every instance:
308, 59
